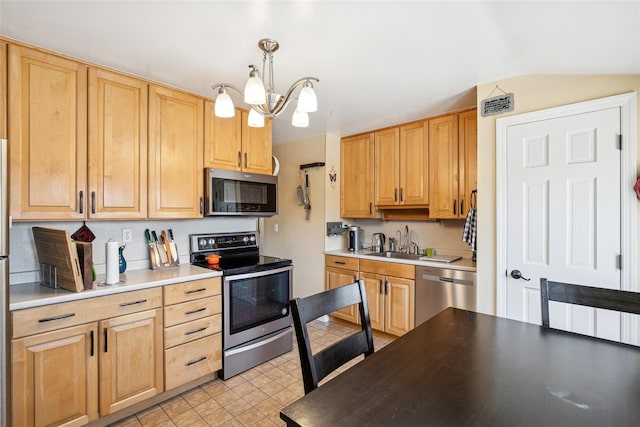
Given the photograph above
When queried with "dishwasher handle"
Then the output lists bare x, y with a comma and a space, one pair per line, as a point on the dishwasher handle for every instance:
447, 280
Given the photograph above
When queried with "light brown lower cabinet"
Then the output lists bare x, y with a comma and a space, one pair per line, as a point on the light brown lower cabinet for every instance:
75, 362
390, 294
340, 271
193, 330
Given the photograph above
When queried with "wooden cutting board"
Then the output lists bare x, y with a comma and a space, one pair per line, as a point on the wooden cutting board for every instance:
54, 247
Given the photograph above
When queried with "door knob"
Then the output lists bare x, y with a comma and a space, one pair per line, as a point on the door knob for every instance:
516, 274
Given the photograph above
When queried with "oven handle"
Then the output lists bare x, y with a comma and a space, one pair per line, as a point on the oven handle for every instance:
257, 274
243, 348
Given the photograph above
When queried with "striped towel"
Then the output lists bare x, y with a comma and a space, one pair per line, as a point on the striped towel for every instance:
469, 233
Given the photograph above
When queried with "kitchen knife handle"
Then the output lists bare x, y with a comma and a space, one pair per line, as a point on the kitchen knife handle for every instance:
81, 201
93, 202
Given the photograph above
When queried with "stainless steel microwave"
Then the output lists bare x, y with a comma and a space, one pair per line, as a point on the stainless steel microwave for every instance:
232, 193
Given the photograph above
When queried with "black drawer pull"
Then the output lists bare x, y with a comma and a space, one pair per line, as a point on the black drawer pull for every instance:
195, 291
340, 262
126, 304
196, 331
196, 311
91, 335
62, 316
197, 361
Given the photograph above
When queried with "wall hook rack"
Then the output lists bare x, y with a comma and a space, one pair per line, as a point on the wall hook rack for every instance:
312, 165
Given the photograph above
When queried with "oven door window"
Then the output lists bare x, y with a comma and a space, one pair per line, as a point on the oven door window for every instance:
258, 300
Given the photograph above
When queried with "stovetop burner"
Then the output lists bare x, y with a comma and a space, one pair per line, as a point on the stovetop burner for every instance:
239, 253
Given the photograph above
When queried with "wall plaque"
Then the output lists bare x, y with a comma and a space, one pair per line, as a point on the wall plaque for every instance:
497, 105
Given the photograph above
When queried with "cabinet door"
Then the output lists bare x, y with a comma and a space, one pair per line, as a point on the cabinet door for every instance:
55, 378
414, 155
3, 89
222, 139
175, 154
117, 146
375, 286
131, 361
357, 176
335, 277
468, 158
48, 134
387, 148
443, 167
400, 310
256, 147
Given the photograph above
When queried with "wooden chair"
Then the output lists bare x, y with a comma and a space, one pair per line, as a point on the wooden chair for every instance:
303, 310
610, 299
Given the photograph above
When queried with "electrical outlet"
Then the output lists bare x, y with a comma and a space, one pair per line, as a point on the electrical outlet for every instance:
126, 235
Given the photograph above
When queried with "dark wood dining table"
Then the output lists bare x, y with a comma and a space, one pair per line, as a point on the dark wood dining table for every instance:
462, 368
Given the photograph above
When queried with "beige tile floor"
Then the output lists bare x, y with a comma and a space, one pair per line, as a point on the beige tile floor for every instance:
253, 398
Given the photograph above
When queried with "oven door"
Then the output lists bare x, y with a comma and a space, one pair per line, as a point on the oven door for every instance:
255, 304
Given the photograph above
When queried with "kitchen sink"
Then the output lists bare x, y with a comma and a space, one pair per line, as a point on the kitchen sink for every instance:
396, 255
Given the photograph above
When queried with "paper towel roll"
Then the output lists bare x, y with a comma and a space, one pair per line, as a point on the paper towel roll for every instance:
112, 263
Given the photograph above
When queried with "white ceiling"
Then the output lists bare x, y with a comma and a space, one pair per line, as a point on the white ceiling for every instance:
379, 63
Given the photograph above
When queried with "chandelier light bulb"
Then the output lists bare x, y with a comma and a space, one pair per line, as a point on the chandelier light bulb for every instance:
255, 119
224, 105
307, 100
300, 119
254, 93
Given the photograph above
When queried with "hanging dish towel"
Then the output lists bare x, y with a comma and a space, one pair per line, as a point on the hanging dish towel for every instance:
469, 233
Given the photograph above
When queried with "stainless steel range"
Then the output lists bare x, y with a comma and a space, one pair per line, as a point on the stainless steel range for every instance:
256, 290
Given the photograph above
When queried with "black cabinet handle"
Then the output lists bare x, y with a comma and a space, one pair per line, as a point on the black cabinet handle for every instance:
196, 331
62, 316
105, 333
91, 338
340, 262
461, 206
81, 201
395, 194
93, 202
401, 195
370, 206
239, 158
126, 304
197, 361
195, 291
454, 206
201, 206
245, 159
195, 311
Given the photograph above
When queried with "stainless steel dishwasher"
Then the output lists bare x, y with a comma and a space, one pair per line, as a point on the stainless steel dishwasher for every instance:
439, 288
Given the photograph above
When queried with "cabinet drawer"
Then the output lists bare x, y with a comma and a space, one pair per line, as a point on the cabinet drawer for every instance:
341, 262
191, 331
189, 291
388, 268
55, 316
192, 310
192, 360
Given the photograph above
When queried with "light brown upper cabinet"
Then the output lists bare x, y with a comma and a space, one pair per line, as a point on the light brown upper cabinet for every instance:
229, 143
453, 163
117, 146
401, 166
175, 153
3, 89
357, 176
48, 134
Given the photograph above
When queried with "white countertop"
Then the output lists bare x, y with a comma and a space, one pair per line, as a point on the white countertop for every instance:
463, 264
30, 295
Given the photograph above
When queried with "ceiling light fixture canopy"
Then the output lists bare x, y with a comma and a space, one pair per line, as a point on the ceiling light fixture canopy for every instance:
264, 101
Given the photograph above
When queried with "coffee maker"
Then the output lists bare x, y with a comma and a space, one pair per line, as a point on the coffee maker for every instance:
355, 238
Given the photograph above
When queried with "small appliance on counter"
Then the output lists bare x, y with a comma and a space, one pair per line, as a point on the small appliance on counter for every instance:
356, 238
377, 242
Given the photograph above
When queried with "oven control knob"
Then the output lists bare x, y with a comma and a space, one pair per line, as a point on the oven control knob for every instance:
202, 242
284, 311
212, 242
252, 238
245, 239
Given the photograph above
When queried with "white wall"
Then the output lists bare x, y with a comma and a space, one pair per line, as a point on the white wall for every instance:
531, 93
298, 239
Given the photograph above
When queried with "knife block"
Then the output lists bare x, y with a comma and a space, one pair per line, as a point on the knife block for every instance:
159, 257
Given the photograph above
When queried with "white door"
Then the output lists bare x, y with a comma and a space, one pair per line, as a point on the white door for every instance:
563, 210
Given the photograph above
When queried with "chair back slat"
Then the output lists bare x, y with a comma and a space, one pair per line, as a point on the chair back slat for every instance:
609, 299
304, 310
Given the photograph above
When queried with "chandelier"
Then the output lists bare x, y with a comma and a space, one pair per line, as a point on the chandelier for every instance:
264, 101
